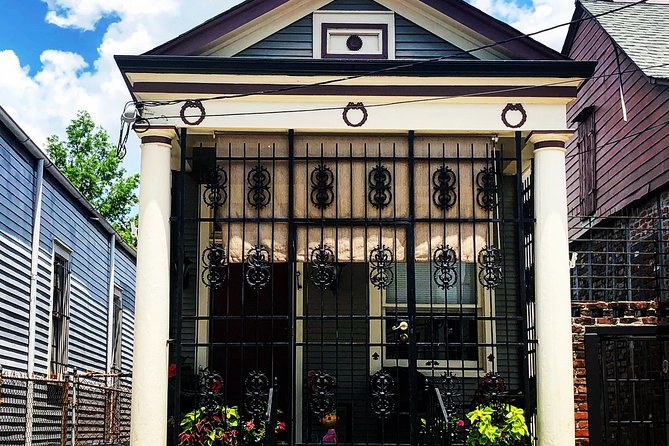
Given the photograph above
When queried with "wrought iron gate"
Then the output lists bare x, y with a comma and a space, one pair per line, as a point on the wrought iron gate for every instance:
628, 386
366, 282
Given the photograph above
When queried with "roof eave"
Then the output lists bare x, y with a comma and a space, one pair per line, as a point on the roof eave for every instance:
315, 67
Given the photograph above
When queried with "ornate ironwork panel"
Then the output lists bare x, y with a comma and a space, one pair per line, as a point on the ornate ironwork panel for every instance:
259, 180
323, 267
210, 390
322, 186
258, 267
380, 184
214, 265
322, 390
382, 386
490, 263
444, 195
215, 189
256, 393
486, 184
444, 261
381, 262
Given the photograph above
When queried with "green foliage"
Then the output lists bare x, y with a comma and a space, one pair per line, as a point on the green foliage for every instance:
497, 425
88, 159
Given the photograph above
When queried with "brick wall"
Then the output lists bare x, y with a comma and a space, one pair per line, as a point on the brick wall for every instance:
592, 314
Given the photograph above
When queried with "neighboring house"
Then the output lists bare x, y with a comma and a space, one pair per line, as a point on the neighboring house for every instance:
338, 221
67, 280
618, 187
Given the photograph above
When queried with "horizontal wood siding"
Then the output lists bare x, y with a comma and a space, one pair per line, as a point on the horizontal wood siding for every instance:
294, 41
628, 168
125, 278
354, 5
17, 182
414, 42
63, 220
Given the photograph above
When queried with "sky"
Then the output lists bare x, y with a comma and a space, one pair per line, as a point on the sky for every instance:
56, 56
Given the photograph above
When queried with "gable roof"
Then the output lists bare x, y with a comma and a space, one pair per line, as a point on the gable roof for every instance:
193, 41
641, 31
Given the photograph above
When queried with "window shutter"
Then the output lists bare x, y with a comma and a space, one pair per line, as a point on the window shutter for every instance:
587, 150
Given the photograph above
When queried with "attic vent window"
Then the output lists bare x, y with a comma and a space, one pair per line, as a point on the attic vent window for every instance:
354, 35
354, 43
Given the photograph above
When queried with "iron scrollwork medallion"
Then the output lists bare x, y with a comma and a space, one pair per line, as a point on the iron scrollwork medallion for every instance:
355, 106
380, 180
322, 389
215, 188
381, 262
451, 393
444, 195
490, 267
486, 184
322, 189
445, 273
382, 387
258, 267
259, 179
197, 105
323, 268
215, 266
211, 391
256, 392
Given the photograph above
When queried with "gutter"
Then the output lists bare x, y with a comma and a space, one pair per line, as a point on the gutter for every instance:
51, 168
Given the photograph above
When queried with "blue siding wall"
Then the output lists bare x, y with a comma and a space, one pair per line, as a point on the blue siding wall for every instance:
125, 278
64, 220
16, 210
295, 41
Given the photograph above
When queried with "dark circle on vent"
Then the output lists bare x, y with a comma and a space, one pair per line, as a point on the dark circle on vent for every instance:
354, 43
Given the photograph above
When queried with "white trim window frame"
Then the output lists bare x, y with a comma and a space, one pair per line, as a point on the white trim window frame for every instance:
117, 329
59, 322
478, 314
371, 26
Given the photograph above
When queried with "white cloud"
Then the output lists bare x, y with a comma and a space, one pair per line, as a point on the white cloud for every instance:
44, 103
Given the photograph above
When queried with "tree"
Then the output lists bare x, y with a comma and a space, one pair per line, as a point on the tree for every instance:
88, 159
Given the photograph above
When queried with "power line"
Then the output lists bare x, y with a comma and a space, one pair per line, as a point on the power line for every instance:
402, 102
397, 67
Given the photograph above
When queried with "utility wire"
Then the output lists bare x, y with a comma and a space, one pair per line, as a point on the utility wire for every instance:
406, 101
397, 67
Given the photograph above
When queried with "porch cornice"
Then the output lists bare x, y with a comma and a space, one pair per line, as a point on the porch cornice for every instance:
315, 67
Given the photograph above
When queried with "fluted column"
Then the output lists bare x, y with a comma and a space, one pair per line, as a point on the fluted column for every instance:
152, 293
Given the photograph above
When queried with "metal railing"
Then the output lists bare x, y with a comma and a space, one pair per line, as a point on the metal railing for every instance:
77, 410
620, 259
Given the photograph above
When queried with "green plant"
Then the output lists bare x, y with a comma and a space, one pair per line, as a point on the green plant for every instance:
203, 427
497, 425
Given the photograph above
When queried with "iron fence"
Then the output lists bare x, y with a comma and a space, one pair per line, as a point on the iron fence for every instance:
77, 410
620, 259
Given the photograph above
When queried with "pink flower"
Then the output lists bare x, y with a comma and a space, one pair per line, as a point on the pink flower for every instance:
172, 371
281, 426
250, 425
461, 423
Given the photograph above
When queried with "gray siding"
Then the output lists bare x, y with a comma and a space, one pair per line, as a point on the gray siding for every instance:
354, 5
65, 220
125, 278
16, 209
414, 42
295, 41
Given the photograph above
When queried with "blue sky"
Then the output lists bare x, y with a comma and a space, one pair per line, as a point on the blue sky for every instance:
56, 56
23, 28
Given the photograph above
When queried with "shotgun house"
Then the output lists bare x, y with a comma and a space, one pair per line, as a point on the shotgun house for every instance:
353, 207
618, 203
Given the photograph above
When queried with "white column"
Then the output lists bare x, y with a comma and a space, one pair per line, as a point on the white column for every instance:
555, 383
152, 294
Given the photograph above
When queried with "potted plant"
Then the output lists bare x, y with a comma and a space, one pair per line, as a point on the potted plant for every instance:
497, 425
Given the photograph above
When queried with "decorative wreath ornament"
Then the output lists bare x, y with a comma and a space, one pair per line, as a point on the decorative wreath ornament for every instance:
355, 106
514, 108
193, 105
